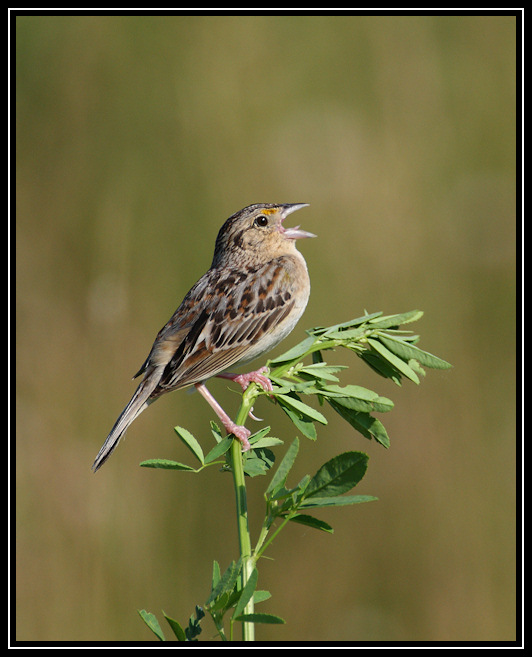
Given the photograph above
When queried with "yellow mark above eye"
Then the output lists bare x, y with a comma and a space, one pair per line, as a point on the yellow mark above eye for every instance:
269, 211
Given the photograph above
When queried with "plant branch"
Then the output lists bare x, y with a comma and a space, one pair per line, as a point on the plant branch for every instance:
388, 350
244, 539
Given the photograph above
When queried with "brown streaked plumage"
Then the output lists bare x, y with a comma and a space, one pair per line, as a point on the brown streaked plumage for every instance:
250, 299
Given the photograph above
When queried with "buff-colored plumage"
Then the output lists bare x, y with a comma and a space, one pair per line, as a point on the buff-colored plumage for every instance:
250, 299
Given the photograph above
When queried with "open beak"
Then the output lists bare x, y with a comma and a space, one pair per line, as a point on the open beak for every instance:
292, 233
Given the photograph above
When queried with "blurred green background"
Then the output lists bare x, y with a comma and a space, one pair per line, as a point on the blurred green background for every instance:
136, 137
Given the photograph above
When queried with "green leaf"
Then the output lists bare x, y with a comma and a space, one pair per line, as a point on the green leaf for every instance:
342, 500
389, 321
379, 405
414, 364
259, 434
408, 351
260, 618
364, 423
344, 325
302, 486
310, 521
219, 449
166, 464
302, 408
352, 391
347, 334
216, 575
338, 475
269, 441
225, 584
322, 371
394, 360
308, 346
282, 386
291, 498
295, 352
284, 467
380, 366
216, 432
303, 424
354, 404
279, 493
261, 439
258, 461
191, 443
152, 622
247, 593
261, 596
304, 387
176, 628
193, 628
357, 398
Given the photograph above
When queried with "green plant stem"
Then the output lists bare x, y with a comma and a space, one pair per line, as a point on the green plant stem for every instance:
244, 539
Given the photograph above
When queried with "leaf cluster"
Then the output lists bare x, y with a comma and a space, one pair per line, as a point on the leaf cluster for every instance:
390, 351
227, 595
257, 461
326, 488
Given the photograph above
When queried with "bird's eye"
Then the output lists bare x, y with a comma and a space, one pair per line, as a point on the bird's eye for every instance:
261, 221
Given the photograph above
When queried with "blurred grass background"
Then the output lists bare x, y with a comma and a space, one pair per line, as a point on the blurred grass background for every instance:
136, 138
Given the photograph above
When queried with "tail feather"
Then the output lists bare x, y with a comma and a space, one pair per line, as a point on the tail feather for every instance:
138, 403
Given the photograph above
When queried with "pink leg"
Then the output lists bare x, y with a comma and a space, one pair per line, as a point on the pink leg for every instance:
244, 380
240, 432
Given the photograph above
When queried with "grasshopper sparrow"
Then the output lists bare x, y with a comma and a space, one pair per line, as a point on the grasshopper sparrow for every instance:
250, 299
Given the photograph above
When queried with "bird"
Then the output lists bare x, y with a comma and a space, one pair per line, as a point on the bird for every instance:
249, 300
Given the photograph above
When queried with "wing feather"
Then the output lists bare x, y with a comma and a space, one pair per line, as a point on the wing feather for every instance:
220, 323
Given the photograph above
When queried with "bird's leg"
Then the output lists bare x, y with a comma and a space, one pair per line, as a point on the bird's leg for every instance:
239, 431
244, 380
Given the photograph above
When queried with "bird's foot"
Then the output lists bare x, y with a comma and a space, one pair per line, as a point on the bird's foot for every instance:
256, 376
240, 432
